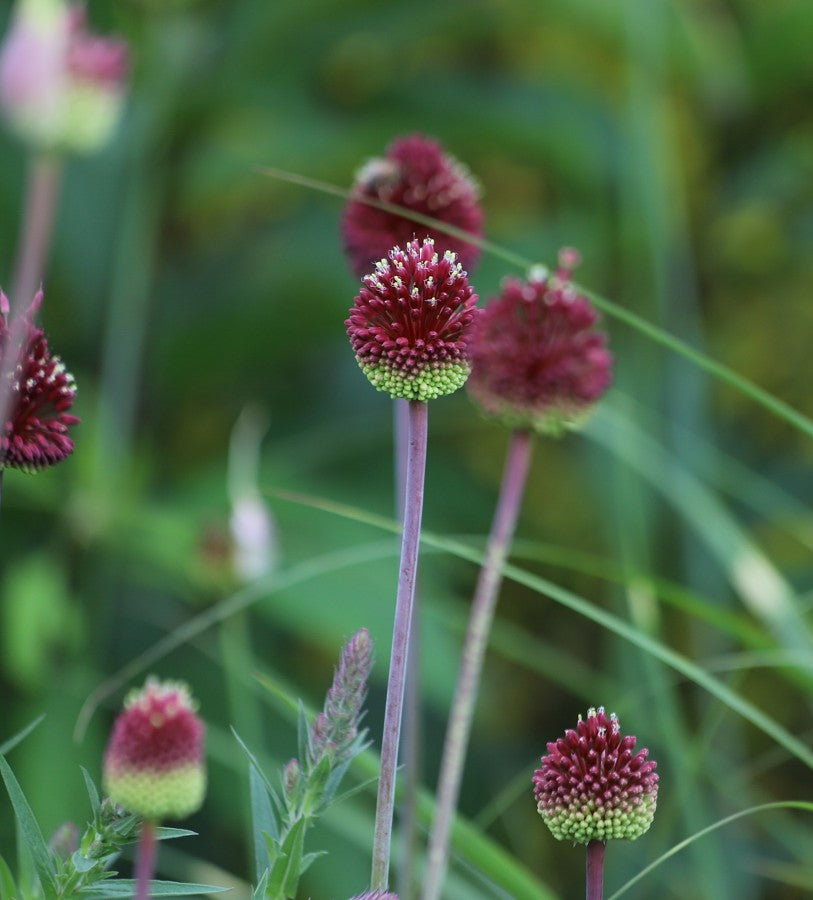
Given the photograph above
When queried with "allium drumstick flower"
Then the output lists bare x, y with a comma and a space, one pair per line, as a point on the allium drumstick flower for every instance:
376, 895
418, 174
36, 394
593, 786
61, 87
538, 361
410, 322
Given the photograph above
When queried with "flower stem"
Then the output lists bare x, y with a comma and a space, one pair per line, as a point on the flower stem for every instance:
482, 613
39, 207
413, 509
595, 870
145, 860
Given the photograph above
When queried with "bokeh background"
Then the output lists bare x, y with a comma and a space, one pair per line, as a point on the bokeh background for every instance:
671, 141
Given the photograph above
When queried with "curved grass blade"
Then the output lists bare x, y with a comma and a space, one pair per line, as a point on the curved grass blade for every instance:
781, 804
779, 408
125, 887
12, 742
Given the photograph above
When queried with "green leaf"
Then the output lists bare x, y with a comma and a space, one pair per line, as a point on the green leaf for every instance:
303, 735
125, 887
169, 834
287, 867
13, 741
8, 889
263, 818
93, 794
30, 831
262, 886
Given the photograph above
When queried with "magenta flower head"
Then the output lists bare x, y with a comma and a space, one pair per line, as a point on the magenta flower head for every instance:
410, 323
418, 174
154, 763
36, 392
376, 895
592, 786
538, 361
61, 87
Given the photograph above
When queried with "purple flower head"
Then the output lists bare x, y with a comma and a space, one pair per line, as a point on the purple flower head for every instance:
592, 786
417, 174
61, 86
376, 895
538, 361
36, 392
154, 763
409, 325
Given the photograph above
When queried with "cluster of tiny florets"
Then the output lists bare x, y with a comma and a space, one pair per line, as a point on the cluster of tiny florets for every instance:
538, 360
376, 895
592, 786
36, 392
154, 762
410, 322
416, 173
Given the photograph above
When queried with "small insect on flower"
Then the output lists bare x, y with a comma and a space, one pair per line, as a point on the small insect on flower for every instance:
36, 392
410, 322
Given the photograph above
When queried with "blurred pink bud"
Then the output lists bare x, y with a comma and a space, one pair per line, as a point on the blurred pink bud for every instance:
61, 87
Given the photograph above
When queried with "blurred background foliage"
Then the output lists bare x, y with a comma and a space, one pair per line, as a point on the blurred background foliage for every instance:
672, 142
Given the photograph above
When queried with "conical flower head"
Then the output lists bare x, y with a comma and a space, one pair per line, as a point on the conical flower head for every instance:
592, 786
61, 86
418, 174
154, 764
36, 392
538, 361
376, 895
410, 323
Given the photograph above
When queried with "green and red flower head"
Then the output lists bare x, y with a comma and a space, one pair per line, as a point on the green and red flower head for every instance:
36, 392
592, 786
538, 360
410, 323
154, 763
418, 174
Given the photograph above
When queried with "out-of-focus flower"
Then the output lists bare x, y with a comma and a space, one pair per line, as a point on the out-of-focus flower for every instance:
61, 86
154, 763
36, 392
410, 323
376, 895
418, 174
592, 787
538, 361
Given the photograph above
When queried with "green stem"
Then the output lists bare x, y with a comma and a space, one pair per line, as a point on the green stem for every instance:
413, 509
474, 648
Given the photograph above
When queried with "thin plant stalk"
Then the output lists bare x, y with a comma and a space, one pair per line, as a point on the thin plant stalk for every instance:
145, 860
515, 475
595, 870
413, 509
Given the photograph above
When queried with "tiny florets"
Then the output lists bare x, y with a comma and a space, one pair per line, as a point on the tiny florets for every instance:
592, 786
154, 762
36, 392
538, 361
376, 895
418, 174
410, 322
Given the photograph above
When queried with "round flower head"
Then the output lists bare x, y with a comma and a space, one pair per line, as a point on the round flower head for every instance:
154, 763
36, 393
417, 174
591, 787
410, 322
538, 361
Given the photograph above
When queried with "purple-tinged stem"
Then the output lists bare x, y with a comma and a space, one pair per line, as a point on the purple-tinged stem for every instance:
413, 509
39, 208
145, 860
484, 603
595, 870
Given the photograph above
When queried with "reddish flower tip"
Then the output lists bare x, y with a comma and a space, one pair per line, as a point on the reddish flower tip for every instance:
410, 323
418, 174
537, 359
591, 787
36, 392
376, 895
154, 763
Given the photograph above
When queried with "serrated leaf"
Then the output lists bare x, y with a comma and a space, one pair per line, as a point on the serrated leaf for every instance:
30, 831
13, 741
125, 887
263, 818
8, 889
93, 793
285, 872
